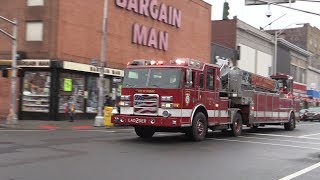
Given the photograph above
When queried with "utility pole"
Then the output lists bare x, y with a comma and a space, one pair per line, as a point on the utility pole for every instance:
98, 122
276, 37
12, 118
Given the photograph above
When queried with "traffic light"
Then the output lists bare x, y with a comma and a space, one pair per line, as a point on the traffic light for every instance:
225, 10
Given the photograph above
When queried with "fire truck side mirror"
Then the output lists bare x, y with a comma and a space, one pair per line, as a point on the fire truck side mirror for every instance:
189, 78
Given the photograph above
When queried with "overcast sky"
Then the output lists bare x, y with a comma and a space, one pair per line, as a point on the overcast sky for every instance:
256, 15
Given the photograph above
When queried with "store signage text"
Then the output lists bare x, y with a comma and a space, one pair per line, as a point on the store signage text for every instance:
106, 71
151, 37
33, 63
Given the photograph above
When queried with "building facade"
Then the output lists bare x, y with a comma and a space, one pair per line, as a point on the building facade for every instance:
254, 47
256, 50
307, 38
59, 44
293, 60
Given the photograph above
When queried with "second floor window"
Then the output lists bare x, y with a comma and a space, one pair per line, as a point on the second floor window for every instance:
34, 31
35, 2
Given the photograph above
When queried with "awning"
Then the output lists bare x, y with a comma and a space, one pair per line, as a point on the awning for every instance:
313, 94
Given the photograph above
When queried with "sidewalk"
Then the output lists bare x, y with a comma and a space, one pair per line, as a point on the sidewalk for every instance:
55, 125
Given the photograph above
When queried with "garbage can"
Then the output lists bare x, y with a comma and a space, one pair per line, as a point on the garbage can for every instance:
107, 115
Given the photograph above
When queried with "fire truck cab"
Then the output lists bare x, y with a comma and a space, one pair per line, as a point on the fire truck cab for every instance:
189, 96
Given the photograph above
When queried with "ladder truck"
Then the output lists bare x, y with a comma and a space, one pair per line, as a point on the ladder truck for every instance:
190, 96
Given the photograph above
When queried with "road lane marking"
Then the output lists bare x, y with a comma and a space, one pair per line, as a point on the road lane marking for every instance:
308, 124
274, 135
280, 140
309, 135
278, 135
301, 172
272, 144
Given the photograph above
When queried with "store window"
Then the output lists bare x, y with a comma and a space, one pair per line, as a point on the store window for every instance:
35, 2
36, 91
71, 91
34, 31
93, 93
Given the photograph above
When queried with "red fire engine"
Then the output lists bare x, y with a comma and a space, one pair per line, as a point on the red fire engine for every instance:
190, 96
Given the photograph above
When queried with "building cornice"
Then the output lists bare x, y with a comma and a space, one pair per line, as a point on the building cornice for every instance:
294, 47
314, 69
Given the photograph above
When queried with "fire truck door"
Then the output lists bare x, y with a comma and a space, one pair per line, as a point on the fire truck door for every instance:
200, 88
210, 94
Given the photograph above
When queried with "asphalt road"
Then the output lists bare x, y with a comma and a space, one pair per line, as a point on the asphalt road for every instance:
264, 154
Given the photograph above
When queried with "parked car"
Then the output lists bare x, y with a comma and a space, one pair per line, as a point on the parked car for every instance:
310, 114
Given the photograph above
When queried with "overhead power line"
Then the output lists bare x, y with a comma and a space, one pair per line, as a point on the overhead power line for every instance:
290, 7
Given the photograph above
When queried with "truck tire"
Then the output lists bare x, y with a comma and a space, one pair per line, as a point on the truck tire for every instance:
289, 126
144, 132
199, 127
236, 126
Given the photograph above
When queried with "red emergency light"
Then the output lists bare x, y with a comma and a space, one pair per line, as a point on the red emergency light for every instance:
143, 62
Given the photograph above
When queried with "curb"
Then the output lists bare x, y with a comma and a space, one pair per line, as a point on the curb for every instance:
49, 126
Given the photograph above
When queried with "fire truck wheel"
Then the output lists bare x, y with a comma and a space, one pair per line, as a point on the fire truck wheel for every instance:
144, 132
289, 126
199, 127
237, 125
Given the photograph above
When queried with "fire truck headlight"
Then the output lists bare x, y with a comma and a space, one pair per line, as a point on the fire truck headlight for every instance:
115, 110
125, 97
121, 120
167, 105
166, 114
124, 103
234, 95
167, 98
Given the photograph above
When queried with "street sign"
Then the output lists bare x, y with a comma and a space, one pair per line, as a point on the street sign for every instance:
263, 2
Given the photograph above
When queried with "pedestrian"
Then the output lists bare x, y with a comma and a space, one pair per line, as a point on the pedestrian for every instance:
71, 109
107, 101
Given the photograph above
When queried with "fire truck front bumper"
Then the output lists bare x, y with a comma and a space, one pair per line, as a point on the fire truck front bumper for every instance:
148, 121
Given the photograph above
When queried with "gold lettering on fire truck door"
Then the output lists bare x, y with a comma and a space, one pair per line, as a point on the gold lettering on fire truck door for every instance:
146, 91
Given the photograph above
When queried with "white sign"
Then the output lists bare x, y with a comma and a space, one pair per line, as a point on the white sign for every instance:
90, 68
33, 63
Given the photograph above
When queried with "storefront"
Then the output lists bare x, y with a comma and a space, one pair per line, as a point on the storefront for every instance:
48, 85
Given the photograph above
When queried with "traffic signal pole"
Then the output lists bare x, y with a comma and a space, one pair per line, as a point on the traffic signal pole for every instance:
12, 118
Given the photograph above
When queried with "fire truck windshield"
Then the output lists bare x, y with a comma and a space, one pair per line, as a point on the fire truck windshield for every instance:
152, 78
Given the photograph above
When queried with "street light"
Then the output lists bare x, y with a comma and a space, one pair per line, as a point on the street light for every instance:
98, 122
276, 35
12, 118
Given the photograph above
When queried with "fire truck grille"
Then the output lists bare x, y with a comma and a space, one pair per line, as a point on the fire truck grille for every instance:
146, 104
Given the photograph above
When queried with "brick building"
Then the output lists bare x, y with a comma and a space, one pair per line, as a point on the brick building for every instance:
58, 41
308, 38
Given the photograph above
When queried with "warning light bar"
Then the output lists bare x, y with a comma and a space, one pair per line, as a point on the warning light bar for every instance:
143, 62
179, 62
186, 62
